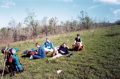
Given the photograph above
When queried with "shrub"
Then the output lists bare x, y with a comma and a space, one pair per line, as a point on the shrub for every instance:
117, 22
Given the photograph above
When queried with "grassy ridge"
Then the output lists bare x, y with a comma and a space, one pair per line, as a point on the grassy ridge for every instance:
99, 60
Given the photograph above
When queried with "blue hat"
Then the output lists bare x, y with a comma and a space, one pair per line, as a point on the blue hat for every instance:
47, 38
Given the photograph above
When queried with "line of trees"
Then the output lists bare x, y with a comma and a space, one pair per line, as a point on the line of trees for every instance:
36, 29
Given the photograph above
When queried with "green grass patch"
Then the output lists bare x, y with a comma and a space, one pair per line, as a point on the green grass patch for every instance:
99, 60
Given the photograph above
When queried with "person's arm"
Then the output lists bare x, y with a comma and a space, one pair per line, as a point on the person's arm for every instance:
44, 44
36, 52
75, 41
52, 46
81, 41
60, 50
39, 51
66, 50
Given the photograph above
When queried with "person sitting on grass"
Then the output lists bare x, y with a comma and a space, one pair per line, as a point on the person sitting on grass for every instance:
40, 53
63, 50
49, 47
77, 43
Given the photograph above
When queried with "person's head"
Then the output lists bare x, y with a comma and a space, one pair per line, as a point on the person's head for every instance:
78, 35
63, 45
37, 45
47, 40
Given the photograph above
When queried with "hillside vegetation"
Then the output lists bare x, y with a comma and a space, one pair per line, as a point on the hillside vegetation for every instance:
99, 60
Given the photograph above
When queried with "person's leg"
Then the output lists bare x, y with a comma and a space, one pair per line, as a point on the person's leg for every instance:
77, 46
56, 56
51, 50
46, 49
81, 44
36, 56
55, 52
43, 55
74, 46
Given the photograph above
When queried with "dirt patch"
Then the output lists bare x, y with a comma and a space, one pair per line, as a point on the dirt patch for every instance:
111, 35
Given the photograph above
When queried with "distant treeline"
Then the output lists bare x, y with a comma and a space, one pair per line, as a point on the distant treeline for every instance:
36, 29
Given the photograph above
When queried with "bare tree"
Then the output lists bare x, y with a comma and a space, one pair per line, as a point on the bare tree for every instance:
32, 23
85, 20
45, 29
53, 22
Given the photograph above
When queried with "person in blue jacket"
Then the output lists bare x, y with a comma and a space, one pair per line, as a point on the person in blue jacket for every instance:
40, 54
49, 47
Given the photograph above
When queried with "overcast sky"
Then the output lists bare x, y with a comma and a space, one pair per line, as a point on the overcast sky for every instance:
62, 9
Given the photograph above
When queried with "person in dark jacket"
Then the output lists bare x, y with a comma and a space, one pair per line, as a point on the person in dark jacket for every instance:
63, 50
40, 54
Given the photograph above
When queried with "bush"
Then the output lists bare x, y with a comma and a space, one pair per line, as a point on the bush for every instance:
117, 22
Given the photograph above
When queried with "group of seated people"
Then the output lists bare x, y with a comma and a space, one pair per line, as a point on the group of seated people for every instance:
14, 65
57, 52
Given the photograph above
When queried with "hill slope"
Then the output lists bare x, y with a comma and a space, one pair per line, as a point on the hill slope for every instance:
99, 60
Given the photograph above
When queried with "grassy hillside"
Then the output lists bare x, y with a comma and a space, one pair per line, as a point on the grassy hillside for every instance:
99, 60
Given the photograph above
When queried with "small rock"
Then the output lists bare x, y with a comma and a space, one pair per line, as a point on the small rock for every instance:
59, 71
